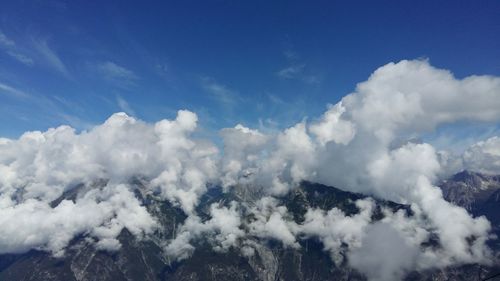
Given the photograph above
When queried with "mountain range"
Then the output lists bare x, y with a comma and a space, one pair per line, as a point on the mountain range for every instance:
145, 259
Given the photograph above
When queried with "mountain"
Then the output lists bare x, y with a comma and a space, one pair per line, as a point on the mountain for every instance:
146, 260
478, 193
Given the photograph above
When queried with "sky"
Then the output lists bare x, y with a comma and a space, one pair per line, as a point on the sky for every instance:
264, 64
386, 99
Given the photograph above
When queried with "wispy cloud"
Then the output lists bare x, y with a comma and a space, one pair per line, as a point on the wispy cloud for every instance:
292, 71
51, 57
5, 41
124, 106
21, 58
291, 55
74, 121
296, 69
30, 107
220, 92
115, 71
10, 47
11, 91
275, 99
117, 74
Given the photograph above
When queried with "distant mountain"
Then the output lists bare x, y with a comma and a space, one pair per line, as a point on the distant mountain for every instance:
145, 260
478, 193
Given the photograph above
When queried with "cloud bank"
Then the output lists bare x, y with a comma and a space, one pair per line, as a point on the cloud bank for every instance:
362, 144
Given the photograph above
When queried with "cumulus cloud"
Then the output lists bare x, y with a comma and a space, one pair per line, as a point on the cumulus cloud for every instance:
359, 145
40, 166
385, 255
102, 214
483, 157
274, 162
271, 221
242, 147
412, 96
332, 128
222, 230
334, 228
365, 143
43, 165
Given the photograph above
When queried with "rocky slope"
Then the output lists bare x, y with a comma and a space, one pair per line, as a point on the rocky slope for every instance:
478, 193
145, 260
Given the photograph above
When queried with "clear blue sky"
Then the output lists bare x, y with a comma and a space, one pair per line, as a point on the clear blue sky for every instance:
274, 62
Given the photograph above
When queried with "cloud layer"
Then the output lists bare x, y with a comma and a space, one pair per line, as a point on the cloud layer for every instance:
362, 144
39, 167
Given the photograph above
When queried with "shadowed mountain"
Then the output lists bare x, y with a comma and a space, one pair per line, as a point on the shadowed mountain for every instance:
146, 260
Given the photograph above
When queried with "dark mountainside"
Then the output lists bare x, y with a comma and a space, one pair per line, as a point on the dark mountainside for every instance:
479, 194
145, 260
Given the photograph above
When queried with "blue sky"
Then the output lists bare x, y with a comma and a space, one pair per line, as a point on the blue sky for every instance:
260, 63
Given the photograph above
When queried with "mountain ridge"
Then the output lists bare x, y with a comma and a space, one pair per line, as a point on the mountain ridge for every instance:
145, 260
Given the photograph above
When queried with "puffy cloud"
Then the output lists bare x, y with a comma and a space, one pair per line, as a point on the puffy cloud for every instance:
403, 100
275, 162
384, 255
242, 148
483, 157
334, 228
363, 144
273, 222
412, 96
332, 128
40, 166
102, 214
43, 165
222, 230
360, 145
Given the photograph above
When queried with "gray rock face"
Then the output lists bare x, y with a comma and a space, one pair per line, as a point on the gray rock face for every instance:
479, 194
471, 190
145, 260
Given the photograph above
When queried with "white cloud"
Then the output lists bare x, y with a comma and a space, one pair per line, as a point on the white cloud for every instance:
276, 162
291, 72
483, 157
222, 230
385, 255
100, 213
364, 144
414, 96
296, 70
272, 222
21, 58
5, 41
11, 91
332, 128
51, 57
357, 146
242, 147
227, 97
334, 228
117, 73
124, 106
38, 167
10, 47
